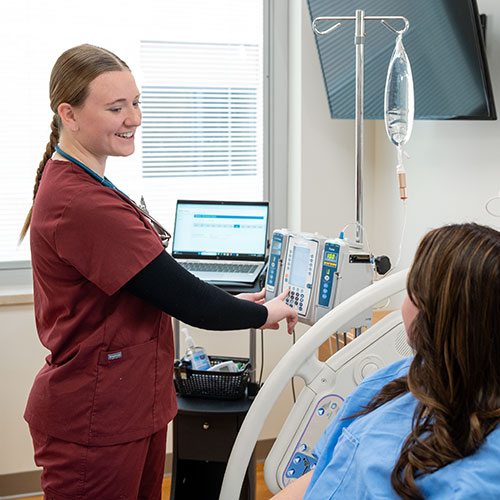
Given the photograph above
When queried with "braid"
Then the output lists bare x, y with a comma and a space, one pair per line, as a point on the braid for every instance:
73, 72
49, 151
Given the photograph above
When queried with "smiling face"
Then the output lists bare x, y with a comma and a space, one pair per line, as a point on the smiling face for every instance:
106, 123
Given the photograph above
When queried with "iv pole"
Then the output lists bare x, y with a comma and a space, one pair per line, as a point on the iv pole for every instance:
359, 41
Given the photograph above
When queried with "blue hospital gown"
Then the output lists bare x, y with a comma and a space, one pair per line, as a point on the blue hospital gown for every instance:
356, 457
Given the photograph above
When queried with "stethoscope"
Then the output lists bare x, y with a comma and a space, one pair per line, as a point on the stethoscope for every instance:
162, 232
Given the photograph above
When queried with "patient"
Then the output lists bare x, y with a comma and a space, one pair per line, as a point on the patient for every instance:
427, 427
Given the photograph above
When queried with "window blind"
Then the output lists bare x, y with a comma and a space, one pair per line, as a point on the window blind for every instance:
199, 131
202, 122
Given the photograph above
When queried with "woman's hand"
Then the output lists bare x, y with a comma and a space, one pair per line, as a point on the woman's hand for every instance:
278, 310
258, 297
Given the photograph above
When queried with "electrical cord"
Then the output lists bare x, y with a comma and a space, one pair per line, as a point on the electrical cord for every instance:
262, 362
292, 381
261, 357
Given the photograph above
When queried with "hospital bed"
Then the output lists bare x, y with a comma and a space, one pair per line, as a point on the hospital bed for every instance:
327, 385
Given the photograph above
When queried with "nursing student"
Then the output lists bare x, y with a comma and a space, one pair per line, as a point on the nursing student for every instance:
426, 427
104, 294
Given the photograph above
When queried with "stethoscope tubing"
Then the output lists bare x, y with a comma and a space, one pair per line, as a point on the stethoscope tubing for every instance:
165, 237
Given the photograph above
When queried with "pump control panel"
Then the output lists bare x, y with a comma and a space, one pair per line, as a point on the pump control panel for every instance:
319, 272
278, 252
299, 273
329, 267
345, 270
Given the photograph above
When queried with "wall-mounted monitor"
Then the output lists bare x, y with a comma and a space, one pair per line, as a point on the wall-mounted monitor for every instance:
445, 45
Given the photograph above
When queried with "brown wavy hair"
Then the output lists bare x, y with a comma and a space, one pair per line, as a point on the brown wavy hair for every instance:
71, 76
455, 376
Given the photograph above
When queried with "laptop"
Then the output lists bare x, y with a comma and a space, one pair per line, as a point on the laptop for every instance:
221, 241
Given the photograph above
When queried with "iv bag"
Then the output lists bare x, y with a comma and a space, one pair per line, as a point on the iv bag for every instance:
399, 105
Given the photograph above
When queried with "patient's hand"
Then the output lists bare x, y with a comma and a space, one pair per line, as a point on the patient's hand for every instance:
296, 489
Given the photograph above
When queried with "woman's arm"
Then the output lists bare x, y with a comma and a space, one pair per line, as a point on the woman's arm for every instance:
168, 286
296, 489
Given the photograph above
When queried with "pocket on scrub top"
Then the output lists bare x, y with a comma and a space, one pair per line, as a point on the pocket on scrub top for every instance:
343, 456
125, 389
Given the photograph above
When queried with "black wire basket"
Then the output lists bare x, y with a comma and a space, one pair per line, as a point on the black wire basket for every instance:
212, 384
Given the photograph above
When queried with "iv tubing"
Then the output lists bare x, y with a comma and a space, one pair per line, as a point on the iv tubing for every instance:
365, 233
405, 213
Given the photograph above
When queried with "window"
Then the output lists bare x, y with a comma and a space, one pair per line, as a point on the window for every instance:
202, 122
199, 65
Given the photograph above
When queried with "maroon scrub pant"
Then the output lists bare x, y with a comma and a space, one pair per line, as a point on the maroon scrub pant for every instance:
127, 471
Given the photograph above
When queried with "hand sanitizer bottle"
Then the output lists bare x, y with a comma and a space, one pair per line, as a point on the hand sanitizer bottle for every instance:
196, 354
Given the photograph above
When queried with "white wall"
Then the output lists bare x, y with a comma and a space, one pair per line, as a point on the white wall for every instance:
21, 356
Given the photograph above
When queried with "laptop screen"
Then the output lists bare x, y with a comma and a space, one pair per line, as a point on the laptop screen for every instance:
225, 230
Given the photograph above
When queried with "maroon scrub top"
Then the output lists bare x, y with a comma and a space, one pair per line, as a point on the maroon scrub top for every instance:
109, 376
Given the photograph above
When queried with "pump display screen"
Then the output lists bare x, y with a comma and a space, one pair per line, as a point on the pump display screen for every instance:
330, 259
300, 262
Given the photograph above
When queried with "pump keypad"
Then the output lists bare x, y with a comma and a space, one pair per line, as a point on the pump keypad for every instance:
299, 273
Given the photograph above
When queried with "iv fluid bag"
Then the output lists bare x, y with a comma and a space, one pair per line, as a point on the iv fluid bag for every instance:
399, 104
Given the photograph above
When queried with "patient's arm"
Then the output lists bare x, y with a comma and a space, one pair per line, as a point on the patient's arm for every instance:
296, 489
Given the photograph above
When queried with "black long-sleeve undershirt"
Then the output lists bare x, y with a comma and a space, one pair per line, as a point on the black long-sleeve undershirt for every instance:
167, 285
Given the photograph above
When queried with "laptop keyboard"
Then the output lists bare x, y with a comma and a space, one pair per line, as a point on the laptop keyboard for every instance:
219, 267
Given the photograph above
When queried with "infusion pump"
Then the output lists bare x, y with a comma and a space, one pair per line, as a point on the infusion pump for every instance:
320, 273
